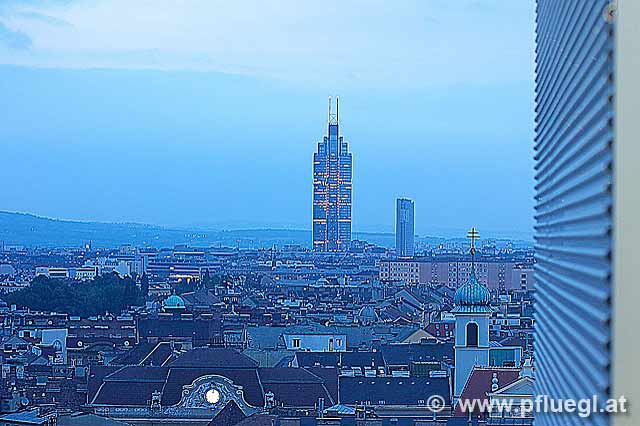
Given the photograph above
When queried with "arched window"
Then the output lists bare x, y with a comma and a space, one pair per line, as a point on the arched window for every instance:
472, 334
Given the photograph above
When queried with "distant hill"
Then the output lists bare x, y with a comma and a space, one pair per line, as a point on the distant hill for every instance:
35, 231
31, 230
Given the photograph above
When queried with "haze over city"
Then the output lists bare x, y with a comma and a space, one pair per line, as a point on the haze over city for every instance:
216, 126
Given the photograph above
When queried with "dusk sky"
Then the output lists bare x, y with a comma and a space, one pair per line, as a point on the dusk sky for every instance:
208, 113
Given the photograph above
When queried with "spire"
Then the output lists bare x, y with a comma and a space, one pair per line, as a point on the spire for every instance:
337, 110
472, 296
473, 235
333, 118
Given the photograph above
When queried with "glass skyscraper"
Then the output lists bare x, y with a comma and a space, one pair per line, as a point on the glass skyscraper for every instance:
404, 227
332, 189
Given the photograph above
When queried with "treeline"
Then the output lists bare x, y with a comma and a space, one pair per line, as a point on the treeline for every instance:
107, 293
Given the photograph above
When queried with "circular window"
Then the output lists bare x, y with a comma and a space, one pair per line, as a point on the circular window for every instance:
212, 396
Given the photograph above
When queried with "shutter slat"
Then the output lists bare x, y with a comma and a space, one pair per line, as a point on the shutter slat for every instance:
573, 174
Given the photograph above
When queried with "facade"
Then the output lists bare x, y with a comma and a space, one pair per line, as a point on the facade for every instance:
496, 274
86, 273
332, 190
399, 270
405, 228
586, 156
52, 272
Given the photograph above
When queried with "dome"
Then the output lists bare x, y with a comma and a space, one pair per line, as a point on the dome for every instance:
472, 296
174, 302
367, 314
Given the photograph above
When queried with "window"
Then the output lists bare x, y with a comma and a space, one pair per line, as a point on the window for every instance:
295, 343
472, 334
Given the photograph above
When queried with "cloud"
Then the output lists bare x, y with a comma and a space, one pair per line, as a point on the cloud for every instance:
14, 39
41, 17
371, 43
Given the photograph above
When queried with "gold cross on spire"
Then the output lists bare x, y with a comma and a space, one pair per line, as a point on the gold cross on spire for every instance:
473, 235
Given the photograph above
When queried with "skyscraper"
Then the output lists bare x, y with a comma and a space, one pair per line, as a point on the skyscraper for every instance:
332, 189
404, 227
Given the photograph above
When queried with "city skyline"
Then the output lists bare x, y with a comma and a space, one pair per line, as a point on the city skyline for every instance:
188, 133
239, 255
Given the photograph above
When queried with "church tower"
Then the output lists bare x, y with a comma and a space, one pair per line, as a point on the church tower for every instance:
472, 312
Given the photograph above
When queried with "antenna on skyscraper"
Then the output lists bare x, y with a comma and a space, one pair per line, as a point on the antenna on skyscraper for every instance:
337, 111
329, 109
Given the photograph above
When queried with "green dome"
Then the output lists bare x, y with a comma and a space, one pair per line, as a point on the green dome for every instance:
173, 302
472, 296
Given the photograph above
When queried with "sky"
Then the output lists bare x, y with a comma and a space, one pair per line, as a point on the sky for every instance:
207, 113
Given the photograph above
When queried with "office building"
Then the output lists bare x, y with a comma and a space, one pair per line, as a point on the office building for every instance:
404, 227
332, 189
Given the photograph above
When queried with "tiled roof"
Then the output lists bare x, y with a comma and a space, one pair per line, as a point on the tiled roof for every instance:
330, 377
287, 375
298, 394
139, 373
404, 354
96, 374
85, 419
160, 355
340, 359
230, 415
165, 327
245, 377
214, 357
392, 390
513, 341
258, 420
135, 355
128, 393
479, 384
